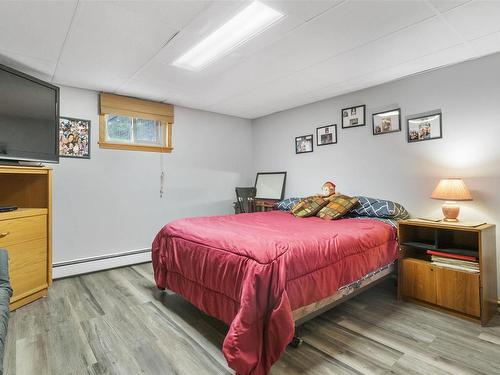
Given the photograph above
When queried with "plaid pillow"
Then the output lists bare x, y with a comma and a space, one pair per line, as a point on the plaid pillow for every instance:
338, 207
309, 206
287, 204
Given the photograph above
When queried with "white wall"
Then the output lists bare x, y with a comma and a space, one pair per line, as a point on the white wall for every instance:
111, 204
386, 166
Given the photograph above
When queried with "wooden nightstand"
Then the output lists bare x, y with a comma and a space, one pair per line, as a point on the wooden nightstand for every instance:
472, 295
264, 205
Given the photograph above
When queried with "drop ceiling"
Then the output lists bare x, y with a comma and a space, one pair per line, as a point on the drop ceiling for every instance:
319, 50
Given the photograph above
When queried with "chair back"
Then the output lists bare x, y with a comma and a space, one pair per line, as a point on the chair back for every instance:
245, 199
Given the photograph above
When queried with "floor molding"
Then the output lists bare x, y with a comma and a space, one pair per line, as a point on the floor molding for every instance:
99, 263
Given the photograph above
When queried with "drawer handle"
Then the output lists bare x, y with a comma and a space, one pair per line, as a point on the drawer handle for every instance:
4, 234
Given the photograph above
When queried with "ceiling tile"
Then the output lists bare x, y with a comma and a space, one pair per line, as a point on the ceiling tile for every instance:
445, 5
486, 44
176, 14
475, 19
431, 61
34, 32
106, 45
303, 9
419, 40
37, 67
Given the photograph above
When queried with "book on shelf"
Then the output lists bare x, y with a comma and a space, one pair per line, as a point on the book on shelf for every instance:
456, 267
464, 263
454, 263
464, 252
452, 255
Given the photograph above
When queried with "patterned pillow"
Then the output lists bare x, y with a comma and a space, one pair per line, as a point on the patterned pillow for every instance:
380, 208
287, 204
338, 207
309, 206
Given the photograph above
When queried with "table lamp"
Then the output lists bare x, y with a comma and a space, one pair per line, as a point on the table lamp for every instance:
451, 190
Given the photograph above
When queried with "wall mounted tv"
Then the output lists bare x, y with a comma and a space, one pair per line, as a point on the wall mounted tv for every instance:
29, 118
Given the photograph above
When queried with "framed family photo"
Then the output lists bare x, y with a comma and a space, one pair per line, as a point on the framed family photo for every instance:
304, 144
74, 138
326, 135
387, 122
425, 128
353, 116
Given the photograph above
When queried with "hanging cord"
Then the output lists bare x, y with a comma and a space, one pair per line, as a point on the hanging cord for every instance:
162, 177
162, 181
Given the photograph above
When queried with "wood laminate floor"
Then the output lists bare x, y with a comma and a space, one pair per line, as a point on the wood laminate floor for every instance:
116, 322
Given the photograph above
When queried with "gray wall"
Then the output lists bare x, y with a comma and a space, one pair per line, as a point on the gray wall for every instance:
111, 203
386, 166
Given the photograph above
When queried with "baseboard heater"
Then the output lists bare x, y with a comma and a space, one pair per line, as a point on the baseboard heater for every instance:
100, 262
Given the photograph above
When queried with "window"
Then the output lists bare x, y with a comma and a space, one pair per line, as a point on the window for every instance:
132, 130
135, 124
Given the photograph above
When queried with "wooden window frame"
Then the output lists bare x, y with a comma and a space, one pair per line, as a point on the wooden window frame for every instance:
111, 104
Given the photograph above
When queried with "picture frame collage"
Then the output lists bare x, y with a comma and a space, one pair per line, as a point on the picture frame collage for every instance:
419, 128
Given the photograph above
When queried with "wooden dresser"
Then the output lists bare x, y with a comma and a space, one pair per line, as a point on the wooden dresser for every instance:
466, 293
26, 232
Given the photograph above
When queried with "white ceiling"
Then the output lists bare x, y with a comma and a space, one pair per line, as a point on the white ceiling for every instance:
321, 49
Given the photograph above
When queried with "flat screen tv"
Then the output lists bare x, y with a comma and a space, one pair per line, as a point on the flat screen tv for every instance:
29, 117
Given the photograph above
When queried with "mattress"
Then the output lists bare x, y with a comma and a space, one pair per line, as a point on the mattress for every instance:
252, 270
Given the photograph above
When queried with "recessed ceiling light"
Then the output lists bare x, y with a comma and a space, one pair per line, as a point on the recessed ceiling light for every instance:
251, 21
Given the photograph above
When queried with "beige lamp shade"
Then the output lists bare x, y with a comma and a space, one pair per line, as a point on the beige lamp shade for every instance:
451, 189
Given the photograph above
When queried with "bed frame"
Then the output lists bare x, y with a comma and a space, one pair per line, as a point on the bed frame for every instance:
306, 313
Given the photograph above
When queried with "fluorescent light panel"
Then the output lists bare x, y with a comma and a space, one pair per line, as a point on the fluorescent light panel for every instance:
251, 21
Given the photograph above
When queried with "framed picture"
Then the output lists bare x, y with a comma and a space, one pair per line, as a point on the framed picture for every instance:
74, 138
353, 117
425, 128
387, 122
304, 144
326, 135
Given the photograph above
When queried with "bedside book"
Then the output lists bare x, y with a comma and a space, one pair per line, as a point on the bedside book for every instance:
451, 255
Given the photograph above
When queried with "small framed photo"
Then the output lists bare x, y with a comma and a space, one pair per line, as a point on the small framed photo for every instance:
425, 128
387, 122
353, 116
326, 135
304, 144
74, 138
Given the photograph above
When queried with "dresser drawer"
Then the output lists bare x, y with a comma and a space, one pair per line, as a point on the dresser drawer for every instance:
28, 267
19, 230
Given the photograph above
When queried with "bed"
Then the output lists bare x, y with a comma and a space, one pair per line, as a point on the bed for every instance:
264, 273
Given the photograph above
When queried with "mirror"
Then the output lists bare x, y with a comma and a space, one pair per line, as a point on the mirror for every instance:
270, 185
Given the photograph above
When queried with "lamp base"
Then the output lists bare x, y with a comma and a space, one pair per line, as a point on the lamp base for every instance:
451, 211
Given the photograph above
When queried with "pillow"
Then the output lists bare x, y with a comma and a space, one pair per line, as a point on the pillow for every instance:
338, 207
287, 204
309, 206
380, 208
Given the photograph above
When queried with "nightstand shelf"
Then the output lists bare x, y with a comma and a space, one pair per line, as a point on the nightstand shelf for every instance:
465, 293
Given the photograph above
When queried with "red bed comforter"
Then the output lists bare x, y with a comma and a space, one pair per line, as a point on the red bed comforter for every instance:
252, 270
